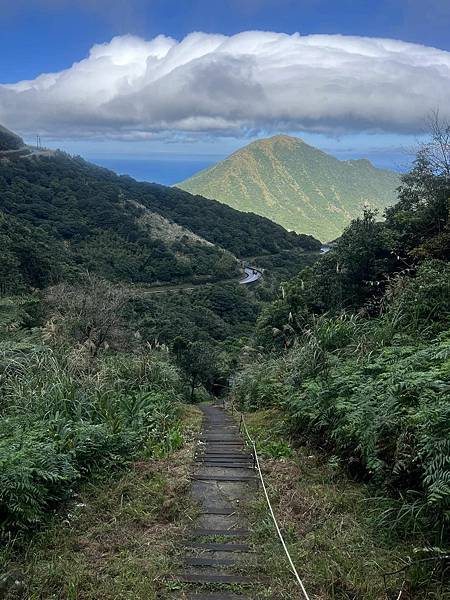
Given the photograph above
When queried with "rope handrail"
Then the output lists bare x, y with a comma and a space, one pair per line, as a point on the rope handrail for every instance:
272, 514
257, 465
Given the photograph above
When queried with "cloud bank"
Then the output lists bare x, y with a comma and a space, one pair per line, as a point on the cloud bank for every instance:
131, 88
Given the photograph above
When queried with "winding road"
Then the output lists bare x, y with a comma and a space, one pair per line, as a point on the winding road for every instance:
251, 275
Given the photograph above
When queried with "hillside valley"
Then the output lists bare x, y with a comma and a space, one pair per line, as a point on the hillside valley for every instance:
296, 185
60, 216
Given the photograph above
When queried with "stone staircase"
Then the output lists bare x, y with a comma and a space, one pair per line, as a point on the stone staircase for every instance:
219, 563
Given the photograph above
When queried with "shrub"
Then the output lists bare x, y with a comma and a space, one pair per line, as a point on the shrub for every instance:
58, 426
385, 413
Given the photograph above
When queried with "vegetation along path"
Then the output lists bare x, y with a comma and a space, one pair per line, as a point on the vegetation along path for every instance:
219, 562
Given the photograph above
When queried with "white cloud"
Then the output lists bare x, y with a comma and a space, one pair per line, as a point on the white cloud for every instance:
133, 88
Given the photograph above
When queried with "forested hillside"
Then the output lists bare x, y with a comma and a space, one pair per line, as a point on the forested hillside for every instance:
94, 366
60, 216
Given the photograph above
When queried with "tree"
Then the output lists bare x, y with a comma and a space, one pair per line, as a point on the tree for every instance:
91, 312
225, 266
199, 362
179, 347
363, 258
437, 149
422, 212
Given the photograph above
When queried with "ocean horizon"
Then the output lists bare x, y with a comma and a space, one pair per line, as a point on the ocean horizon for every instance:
172, 169
167, 171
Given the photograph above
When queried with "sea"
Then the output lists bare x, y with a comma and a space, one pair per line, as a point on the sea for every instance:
156, 170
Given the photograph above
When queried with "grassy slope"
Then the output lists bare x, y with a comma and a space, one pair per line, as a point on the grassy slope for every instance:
118, 540
296, 185
328, 522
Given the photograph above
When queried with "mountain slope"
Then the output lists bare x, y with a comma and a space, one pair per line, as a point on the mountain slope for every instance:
296, 185
60, 216
58, 220
9, 140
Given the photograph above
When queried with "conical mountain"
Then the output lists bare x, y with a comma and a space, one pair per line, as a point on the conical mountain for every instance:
296, 185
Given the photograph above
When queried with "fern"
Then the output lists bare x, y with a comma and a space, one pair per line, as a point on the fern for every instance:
58, 426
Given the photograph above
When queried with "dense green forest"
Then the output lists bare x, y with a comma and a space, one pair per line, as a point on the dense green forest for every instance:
61, 216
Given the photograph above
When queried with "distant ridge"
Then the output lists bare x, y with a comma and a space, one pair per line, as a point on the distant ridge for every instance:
296, 185
9, 140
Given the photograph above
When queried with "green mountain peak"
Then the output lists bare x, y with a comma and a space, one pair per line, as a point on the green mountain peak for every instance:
296, 185
280, 140
280, 137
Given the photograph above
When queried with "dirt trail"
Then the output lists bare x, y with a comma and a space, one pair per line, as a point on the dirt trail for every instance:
219, 563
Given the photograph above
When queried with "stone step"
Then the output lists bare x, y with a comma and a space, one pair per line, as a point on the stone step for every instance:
226, 454
245, 478
211, 445
222, 429
215, 547
225, 532
220, 434
225, 432
204, 561
214, 578
225, 444
227, 459
226, 511
220, 438
223, 465
231, 439
216, 596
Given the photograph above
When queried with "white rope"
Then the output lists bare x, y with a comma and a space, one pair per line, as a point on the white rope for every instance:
280, 535
400, 594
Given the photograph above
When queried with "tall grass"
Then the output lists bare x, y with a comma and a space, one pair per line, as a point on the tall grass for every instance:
60, 422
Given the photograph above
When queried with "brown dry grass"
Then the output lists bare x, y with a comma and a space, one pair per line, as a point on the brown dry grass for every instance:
328, 523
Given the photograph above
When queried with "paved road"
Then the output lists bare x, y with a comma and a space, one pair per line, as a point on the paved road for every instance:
251, 275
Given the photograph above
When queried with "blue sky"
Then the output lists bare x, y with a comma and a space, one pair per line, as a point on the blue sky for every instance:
48, 36
40, 36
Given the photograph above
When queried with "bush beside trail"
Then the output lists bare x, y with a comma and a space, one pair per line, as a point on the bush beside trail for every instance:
66, 413
381, 408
